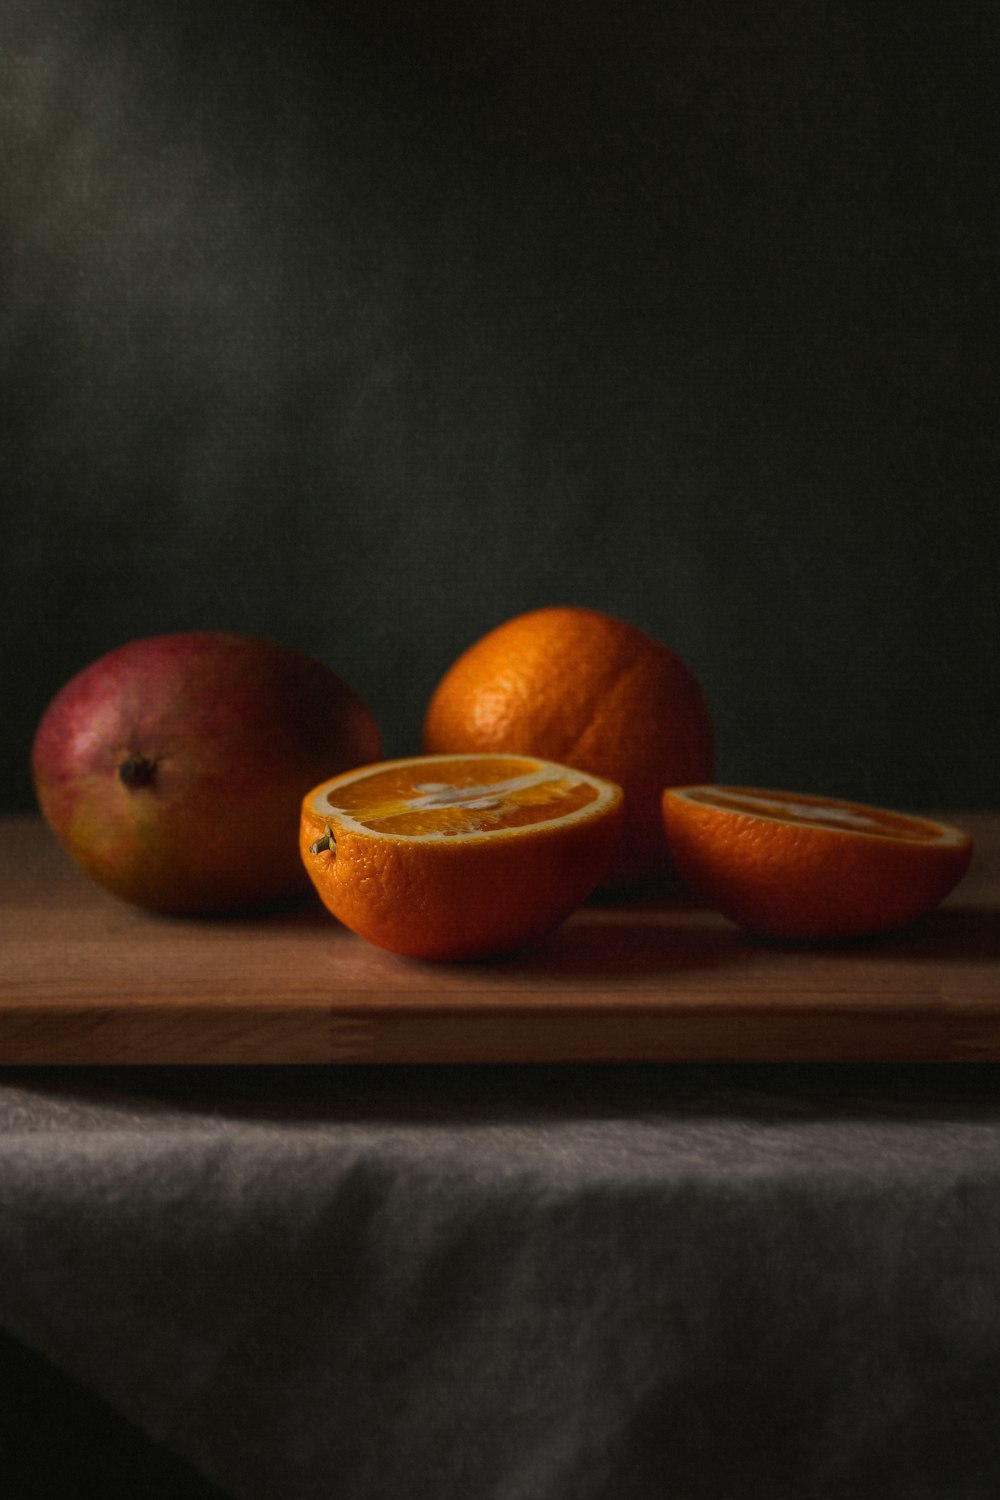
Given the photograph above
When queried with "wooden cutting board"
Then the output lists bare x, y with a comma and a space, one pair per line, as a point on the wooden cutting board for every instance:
86, 979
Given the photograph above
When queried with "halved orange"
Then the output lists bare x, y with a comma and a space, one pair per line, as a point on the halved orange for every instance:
791, 865
458, 856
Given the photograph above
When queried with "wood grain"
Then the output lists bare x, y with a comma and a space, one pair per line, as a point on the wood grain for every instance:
86, 979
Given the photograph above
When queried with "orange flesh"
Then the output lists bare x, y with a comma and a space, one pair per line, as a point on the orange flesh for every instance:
402, 801
819, 812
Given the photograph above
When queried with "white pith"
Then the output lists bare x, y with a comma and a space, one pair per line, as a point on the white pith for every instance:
479, 797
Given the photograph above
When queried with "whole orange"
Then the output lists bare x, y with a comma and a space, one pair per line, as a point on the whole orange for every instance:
583, 688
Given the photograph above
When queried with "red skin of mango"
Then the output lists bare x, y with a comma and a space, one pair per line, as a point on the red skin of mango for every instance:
228, 733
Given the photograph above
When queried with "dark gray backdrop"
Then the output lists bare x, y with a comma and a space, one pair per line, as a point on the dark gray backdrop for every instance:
367, 324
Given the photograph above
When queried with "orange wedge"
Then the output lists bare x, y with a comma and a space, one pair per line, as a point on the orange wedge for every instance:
789, 865
458, 856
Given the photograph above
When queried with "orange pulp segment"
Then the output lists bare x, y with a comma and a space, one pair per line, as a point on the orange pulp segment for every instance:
394, 801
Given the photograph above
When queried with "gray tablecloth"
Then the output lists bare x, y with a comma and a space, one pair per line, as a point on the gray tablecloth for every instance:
496, 1284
